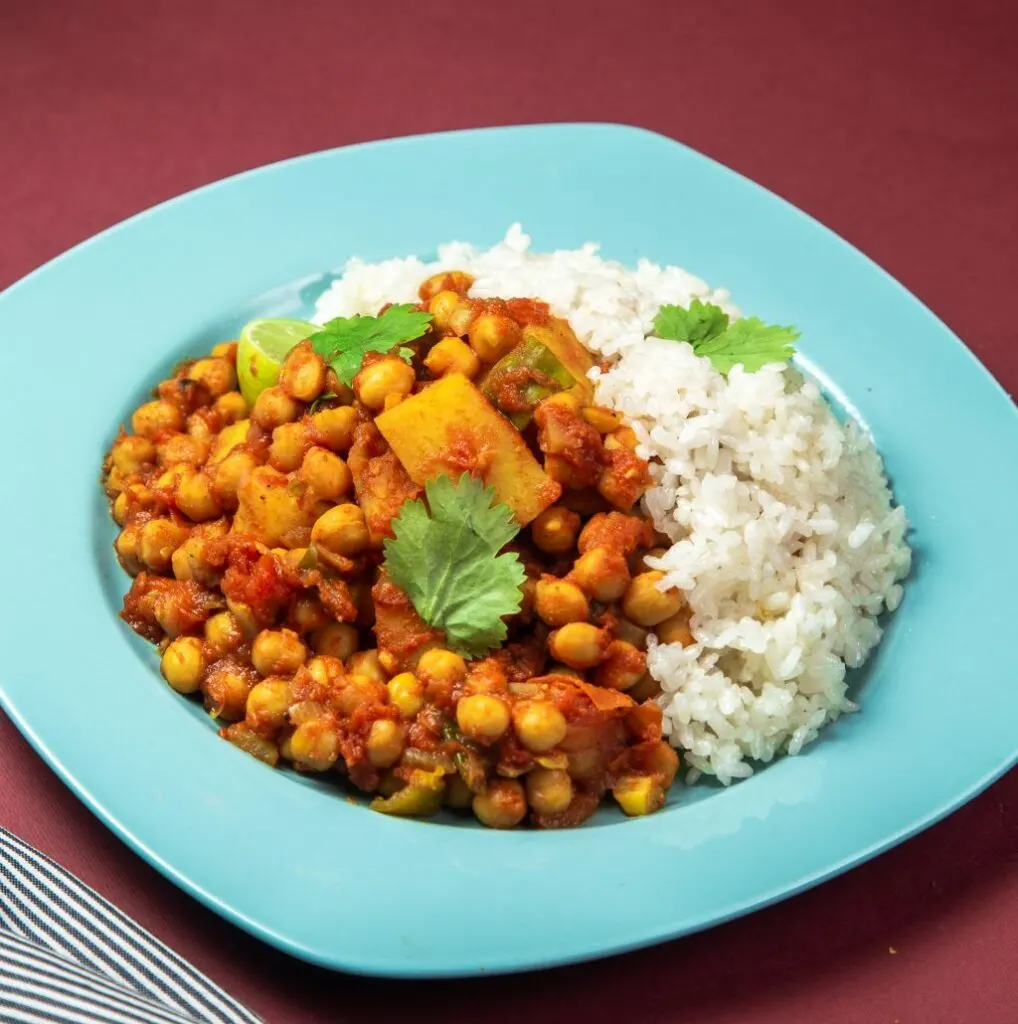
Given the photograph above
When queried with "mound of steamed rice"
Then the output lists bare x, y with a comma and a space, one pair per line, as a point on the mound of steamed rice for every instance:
785, 538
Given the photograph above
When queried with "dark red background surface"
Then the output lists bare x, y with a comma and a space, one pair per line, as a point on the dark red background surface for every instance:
895, 123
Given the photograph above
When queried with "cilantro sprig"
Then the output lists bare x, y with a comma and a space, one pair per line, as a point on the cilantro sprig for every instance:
445, 555
344, 341
748, 341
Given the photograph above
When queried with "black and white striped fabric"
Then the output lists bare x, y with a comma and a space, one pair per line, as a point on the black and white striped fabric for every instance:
68, 955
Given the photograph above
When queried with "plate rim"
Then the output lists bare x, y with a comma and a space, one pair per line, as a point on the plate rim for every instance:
292, 945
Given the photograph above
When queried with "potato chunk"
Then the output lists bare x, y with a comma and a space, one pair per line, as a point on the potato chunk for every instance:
276, 511
451, 428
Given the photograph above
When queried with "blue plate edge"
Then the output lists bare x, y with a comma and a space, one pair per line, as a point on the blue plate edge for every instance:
396, 141
807, 881
302, 952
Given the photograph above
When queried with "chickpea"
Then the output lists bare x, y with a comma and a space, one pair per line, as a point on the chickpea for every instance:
277, 652
451, 355
223, 634
336, 426
558, 669
462, 317
289, 444
245, 618
229, 477
604, 421
225, 350
342, 531
458, 794
555, 530
115, 482
303, 373
631, 633
441, 306
183, 663
319, 669
336, 639
646, 689
503, 805
482, 717
128, 546
326, 474
307, 614
675, 629
191, 561
195, 498
389, 662
549, 790
624, 437
231, 407
406, 694
167, 482
218, 375
159, 539
198, 428
646, 604
267, 704
558, 602
440, 671
624, 479
389, 375
578, 644
180, 563
226, 691
315, 745
384, 743
622, 668
274, 407
493, 336
664, 761
155, 418
562, 471
119, 510
132, 453
366, 663
601, 572
568, 400
356, 690
455, 281
539, 725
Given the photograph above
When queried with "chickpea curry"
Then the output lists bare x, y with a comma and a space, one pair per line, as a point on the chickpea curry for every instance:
415, 560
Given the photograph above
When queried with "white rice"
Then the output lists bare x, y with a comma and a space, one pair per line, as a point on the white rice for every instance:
785, 538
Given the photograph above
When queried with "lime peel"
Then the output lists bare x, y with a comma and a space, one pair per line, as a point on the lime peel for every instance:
263, 345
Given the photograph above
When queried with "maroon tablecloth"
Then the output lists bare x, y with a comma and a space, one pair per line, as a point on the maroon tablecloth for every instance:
896, 123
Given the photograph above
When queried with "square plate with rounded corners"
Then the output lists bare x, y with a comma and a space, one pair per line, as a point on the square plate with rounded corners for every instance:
325, 879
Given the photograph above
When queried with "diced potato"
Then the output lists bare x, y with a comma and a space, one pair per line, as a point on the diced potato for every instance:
228, 439
276, 511
451, 428
638, 794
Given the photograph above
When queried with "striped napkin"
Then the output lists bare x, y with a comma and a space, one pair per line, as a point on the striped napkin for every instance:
68, 955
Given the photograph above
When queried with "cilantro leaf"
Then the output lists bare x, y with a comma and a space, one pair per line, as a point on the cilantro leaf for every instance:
749, 341
702, 321
444, 555
344, 341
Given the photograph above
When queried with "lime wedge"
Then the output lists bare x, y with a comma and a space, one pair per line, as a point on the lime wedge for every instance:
262, 348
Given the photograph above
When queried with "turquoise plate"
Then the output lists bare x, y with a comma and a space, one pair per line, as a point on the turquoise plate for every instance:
297, 863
